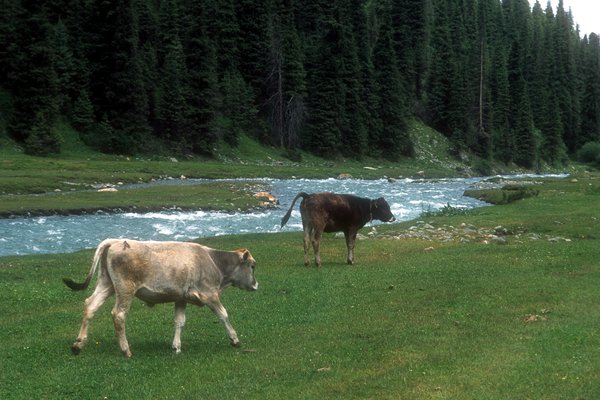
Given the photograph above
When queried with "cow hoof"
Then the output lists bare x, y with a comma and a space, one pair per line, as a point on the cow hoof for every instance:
75, 349
235, 343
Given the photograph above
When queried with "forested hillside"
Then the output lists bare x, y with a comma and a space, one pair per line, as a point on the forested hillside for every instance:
500, 79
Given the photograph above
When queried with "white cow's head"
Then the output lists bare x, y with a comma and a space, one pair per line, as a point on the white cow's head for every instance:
243, 275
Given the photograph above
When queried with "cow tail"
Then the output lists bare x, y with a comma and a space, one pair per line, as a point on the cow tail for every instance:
99, 257
285, 218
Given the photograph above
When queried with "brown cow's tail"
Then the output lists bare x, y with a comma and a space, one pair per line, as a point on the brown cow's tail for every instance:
285, 218
99, 256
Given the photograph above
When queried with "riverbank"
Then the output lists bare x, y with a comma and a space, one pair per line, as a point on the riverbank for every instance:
226, 196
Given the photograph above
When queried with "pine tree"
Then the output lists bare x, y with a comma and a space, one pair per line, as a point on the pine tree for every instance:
590, 104
64, 66
172, 110
503, 144
285, 83
117, 84
205, 99
394, 140
522, 125
172, 105
254, 20
353, 129
33, 82
238, 100
82, 115
439, 91
368, 33
41, 140
565, 80
325, 106
411, 20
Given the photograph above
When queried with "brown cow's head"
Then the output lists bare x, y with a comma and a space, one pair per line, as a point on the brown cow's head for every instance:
380, 209
243, 276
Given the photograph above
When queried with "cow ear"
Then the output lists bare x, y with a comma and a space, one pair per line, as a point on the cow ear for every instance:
246, 254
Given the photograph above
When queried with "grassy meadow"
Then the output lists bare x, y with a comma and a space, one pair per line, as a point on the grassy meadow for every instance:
412, 319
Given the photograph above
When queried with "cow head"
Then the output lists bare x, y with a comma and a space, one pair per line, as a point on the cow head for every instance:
380, 209
243, 275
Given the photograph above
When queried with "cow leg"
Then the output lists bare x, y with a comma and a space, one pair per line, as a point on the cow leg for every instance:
179, 323
307, 234
350, 236
316, 243
119, 314
215, 305
104, 289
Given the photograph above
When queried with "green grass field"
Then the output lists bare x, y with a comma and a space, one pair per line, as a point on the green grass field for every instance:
412, 319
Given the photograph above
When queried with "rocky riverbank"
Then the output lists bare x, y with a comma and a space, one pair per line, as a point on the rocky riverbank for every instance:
463, 233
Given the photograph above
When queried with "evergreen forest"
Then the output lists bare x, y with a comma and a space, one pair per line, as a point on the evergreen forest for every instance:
501, 79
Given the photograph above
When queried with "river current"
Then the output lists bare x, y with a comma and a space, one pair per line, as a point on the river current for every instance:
408, 198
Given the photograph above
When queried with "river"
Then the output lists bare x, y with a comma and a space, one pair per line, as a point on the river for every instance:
408, 198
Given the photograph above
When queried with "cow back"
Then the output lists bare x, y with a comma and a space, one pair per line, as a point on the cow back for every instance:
335, 212
165, 270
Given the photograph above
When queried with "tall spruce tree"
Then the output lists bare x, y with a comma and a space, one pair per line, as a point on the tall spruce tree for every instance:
590, 103
285, 83
33, 82
172, 108
411, 20
394, 140
565, 79
205, 99
117, 84
353, 128
326, 101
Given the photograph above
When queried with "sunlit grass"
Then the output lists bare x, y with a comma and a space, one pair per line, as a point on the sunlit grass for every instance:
416, 324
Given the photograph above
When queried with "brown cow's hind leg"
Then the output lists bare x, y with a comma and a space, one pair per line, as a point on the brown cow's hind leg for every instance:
307, 235
316, 243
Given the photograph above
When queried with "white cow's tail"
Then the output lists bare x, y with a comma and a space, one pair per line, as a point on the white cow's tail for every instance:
99, 256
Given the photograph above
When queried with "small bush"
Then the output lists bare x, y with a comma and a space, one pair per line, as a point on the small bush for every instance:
483, 167
590, 153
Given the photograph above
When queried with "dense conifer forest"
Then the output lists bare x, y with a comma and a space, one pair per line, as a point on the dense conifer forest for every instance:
502, 80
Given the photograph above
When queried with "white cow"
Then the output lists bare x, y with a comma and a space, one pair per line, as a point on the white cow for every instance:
162, 272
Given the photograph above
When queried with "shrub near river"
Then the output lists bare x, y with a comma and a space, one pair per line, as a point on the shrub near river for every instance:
415, 318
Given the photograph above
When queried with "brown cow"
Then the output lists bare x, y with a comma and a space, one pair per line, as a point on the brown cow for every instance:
330, 212
162, 272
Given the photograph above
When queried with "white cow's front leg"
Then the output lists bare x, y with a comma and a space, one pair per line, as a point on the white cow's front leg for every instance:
179, 323
216, 306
